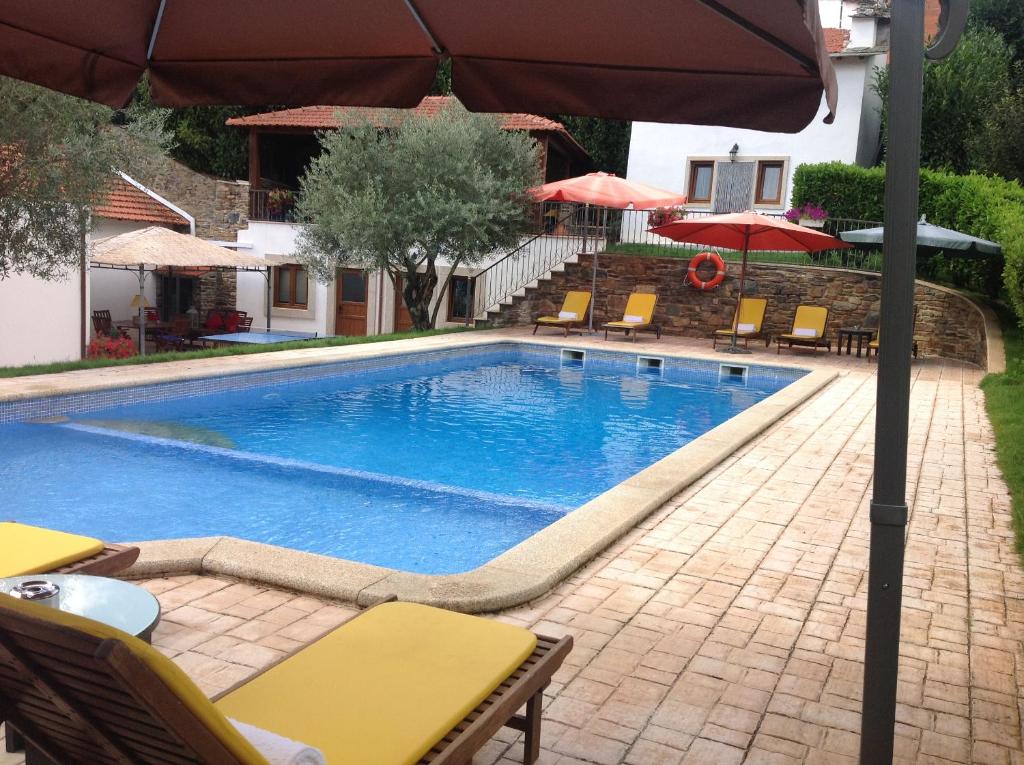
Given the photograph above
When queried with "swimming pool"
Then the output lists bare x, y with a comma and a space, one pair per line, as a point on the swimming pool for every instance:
432, 463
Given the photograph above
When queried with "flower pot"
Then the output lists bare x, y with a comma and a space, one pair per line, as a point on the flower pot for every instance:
812, 222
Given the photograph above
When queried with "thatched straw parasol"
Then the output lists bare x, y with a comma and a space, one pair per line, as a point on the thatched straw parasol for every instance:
157, 247
148, 249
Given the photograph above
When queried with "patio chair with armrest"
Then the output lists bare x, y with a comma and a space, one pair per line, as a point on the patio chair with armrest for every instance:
746, 323
875, 344
809, 326
400, 683
639, 315
102, 324
573, 312
26, 549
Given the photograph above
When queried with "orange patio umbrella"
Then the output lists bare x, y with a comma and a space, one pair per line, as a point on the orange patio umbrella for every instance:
748, 231
604, 190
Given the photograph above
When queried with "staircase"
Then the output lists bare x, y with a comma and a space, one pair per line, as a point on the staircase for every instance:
511, 275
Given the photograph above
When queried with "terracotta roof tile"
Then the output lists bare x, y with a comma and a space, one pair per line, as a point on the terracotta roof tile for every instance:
125, 202
836, 39
328, 117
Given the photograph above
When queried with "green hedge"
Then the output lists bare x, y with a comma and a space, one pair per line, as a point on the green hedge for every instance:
992, 208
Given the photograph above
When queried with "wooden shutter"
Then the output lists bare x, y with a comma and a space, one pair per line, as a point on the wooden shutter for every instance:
735, 186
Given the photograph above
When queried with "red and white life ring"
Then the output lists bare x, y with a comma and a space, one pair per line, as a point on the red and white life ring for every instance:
700, 259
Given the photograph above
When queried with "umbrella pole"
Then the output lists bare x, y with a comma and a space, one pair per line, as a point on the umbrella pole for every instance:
142, 310
733, 346
593, 268
889, 510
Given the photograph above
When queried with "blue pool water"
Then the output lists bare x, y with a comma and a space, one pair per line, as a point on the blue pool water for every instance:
433, 468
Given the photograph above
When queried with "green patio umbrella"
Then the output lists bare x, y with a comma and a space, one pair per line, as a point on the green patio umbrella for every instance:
931, 240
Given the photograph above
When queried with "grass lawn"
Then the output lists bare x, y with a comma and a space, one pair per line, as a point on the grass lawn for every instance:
1004, 399
235, 350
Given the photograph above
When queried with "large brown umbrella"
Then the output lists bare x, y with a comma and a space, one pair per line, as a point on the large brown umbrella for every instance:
604, 190
743, 63
744, 232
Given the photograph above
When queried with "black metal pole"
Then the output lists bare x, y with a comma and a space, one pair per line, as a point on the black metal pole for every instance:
888, 504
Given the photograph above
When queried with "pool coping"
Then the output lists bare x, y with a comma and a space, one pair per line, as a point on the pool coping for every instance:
525, 571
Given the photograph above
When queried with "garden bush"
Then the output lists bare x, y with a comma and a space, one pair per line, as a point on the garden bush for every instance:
980, 205
103, 347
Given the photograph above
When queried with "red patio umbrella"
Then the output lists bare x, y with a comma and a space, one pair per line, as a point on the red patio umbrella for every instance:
766, 68
748, 231
604, 190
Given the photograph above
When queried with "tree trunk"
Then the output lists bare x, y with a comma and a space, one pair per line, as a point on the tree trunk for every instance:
417, 290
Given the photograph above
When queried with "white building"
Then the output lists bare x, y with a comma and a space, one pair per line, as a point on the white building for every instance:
281, 145
45, 321
729, 169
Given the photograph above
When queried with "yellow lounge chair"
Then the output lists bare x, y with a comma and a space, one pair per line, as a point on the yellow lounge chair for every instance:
26, 549
399, 684
574, 311
747, 322
809, 323
874, 344
639, 315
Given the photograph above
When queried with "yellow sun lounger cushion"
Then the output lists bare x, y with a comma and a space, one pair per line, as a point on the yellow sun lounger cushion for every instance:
749, 319
33, 550
574, 303
639, 311
387, 686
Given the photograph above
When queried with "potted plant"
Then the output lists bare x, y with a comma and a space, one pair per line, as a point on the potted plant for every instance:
280, 202
807, 214
659, 216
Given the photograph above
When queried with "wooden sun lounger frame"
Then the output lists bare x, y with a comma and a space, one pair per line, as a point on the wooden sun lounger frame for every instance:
636, 330
78, 673
567, 325
110, 560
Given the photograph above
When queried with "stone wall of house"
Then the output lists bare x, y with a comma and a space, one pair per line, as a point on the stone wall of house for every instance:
948, 324
220, 207
218, 289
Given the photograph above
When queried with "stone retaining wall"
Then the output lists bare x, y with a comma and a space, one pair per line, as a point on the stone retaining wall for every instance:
948, 324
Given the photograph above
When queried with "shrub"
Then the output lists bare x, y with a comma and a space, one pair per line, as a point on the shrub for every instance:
103, 347
980, 205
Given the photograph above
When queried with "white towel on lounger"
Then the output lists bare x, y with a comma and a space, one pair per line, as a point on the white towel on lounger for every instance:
567, 315
277, 749
805, 332
631, 319
744, 327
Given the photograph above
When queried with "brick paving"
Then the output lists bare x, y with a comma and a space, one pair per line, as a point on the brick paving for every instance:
728, 628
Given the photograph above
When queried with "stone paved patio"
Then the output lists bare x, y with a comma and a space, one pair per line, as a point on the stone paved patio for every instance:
728, 628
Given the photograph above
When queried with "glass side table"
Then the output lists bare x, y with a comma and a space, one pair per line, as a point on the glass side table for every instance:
113, 602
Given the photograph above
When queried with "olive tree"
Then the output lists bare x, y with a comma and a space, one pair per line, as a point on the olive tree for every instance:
57, 157
449, 187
